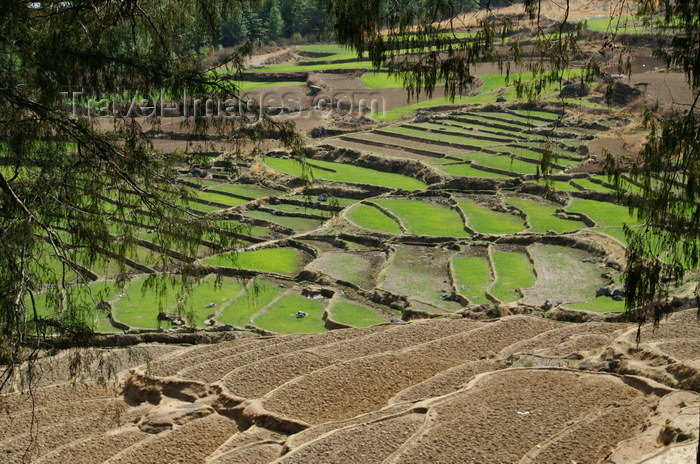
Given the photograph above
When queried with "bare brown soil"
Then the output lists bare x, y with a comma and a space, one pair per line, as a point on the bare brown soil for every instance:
443, 390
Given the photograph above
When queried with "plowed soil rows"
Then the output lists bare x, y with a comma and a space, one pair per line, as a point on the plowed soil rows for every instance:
508, 413
435, 390
257, 379
359, 386
191, 442
367, 443
222, 365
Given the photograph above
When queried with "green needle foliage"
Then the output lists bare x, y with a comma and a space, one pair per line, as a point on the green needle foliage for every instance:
82, 187
662, 252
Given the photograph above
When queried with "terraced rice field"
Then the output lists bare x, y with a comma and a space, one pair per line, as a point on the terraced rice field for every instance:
354, 314
509, 164
513, 271
209, 297
219, 199
555, 267
455, 274
48, 303
306, 209
359, 392
276, 260
588, 184
280, 315
556, 184
129, 309
603, 214
541, 215
338, 172
488, 221
359, 268
408, 255
602, 304
469, 170
458, 140
473, 277
256, 296
250, 191
297, 224
422, 274
424, 218
371, 217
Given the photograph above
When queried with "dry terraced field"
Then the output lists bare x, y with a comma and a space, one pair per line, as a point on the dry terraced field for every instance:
517, 389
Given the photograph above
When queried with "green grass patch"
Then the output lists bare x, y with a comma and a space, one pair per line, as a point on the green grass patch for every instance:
202, 208
466, 170
84, 299
488, 221
285, 68
488, 92
342, 55
513, 270
245, 229
280, 260
506, 136
604, 214
379, 80
516, 120
280, 316
256, 296
473, 276
140, 305
565, 274
420, 273
556, 185
602, 304
627, 24
630, 187
443, 161
370, 217
614, 232
540, 216
425, 218
481, 122
354, 314
590, 185
405, 111
330, 48
244, 86
529, 154
339, 172
206, 292
218, 198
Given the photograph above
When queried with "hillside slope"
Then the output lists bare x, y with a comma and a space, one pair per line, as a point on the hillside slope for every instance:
516, 389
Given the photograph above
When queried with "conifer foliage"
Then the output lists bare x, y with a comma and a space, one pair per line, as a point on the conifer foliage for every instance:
76, 189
